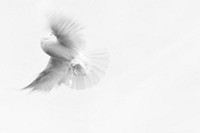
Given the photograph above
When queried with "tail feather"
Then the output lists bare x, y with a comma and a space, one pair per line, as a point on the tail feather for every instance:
95, 65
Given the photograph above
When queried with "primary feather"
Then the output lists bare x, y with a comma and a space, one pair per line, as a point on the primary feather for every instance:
68, 64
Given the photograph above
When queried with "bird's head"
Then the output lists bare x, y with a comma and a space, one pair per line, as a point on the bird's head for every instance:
49, 38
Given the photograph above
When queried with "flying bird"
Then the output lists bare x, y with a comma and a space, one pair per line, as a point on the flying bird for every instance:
68, 63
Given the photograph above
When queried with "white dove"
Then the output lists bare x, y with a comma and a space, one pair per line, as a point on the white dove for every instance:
68, 64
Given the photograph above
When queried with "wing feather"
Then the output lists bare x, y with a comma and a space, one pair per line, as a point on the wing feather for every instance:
66, 31
50, 77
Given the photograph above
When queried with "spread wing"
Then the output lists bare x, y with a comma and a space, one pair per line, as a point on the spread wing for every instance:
58, 71
50, 77
66, 31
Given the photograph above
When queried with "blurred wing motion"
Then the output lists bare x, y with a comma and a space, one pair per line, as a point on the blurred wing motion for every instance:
68, 64
66, 31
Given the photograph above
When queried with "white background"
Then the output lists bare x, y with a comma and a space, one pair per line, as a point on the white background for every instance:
152, 84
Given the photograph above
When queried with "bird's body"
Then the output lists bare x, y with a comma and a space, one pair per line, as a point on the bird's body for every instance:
68, 64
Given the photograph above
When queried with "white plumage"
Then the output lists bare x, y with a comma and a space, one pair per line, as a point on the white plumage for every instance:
68, 64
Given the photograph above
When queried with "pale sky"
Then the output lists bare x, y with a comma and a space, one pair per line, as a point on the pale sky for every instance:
152, 84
